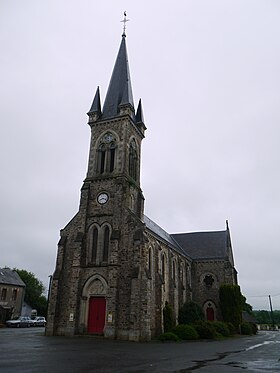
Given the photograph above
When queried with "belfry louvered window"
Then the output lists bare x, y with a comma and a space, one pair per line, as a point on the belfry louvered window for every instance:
106, 154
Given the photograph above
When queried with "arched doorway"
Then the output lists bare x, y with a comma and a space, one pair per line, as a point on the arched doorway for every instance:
96, 315
210, 314
94, 305
209, 310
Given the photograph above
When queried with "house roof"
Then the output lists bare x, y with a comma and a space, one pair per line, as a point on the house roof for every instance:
195, 245
10, 277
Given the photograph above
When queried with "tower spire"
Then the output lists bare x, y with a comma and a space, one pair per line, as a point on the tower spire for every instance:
120, 89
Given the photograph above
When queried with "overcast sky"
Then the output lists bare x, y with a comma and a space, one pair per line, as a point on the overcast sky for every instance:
208, 75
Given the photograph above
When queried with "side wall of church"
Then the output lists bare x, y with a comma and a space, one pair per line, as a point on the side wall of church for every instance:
169, 280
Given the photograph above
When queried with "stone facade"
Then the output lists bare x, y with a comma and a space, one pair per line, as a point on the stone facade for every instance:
116, 268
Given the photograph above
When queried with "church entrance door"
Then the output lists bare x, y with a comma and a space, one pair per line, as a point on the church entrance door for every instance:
210, 314
96, 315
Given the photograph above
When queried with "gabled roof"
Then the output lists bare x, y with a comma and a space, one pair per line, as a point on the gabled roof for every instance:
197, 245
204, 245
10, 277
161, 233
120, 89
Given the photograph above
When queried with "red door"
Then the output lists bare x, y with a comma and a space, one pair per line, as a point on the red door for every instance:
96, 315
210, 314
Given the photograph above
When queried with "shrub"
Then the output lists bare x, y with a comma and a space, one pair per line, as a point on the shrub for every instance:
205, 330
185, 332
246, 328
254, 328
168, 318
189, 313
221, 328
231, 327
168, 337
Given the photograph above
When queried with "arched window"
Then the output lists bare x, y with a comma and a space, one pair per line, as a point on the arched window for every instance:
150, 260
163, 269
106, 154
106, 238
94, 244
133, 160
174, 270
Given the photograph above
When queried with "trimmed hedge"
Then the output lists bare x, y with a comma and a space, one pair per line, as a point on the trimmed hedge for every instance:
205, 330
189, 313
169, 336
185, 332
221, 328
246, 328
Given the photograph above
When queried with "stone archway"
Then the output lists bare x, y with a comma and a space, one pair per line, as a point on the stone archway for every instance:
209, 311
93, 305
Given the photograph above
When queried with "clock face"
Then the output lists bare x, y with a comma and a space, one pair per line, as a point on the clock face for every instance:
102, 198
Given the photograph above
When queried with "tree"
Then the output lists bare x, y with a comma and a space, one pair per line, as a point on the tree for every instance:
190, 312
33, 291
231, 302
246, 306
168, 318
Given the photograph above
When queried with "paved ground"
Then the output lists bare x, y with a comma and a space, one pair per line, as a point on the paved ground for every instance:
28, 350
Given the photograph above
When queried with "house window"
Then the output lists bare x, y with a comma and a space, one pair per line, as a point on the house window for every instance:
4, 294
14, 294
106, 154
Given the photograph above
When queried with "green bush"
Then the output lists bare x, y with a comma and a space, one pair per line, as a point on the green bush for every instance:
221, 328
246, 328
254, 328
168, 337
205, 330
189, 313
231, 327
185, 332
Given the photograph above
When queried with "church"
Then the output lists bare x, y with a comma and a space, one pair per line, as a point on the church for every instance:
115, 267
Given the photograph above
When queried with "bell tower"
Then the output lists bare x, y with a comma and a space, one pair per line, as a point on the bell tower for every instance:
98, 258
116, 135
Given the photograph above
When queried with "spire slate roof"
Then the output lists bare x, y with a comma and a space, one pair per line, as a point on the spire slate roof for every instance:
139, 113
96, 105
120, 90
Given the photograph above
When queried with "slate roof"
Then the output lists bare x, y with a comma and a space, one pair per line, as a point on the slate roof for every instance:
204, 245
120, 89
161, 233
10, 277
197, 245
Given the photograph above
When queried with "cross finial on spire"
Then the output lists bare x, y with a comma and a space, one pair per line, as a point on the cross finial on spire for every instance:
124, 23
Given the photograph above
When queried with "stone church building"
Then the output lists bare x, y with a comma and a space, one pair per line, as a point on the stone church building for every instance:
115, 267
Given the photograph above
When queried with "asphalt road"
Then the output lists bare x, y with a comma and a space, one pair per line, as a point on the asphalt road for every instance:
28, 350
